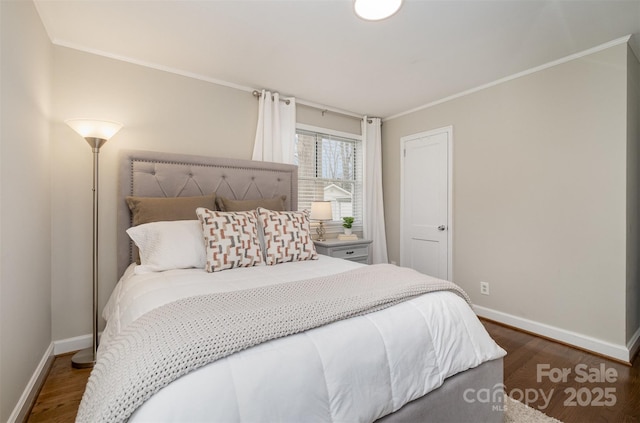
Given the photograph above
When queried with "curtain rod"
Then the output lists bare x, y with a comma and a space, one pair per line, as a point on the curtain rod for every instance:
258, 94
336, 112
320, 107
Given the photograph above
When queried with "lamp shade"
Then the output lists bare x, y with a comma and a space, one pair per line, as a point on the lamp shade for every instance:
375, 10
92, 128
321, 210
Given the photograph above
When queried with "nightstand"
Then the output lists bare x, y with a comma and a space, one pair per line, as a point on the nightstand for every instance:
357, 250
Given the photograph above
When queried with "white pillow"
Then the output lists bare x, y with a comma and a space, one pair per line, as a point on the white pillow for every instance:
169, 245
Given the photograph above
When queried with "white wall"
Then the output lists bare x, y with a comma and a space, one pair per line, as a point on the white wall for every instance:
540, 193
25, 225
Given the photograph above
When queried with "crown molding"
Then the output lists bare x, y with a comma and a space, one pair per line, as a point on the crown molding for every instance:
617, 41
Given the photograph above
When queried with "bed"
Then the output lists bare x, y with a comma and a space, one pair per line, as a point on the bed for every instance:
425, 357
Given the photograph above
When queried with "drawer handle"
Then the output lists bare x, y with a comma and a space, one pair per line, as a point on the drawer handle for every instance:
349, 252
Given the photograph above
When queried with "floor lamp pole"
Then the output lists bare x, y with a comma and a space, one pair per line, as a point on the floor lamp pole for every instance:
87, 357
96, 133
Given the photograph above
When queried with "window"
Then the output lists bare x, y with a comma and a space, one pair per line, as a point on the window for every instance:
330, 169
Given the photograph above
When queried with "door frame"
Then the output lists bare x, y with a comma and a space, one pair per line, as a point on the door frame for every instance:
403, 140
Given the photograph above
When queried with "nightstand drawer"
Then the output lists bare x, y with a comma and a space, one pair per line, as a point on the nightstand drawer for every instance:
357, 250
351, 253
363, 260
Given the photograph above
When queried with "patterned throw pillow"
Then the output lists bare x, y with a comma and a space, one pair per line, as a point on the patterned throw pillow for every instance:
231, 239
287, 236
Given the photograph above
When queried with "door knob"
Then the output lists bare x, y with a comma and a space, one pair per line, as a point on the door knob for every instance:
442, 228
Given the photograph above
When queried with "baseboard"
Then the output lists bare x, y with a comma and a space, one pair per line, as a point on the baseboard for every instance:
76, 343
598, 346
634, 345
28, 397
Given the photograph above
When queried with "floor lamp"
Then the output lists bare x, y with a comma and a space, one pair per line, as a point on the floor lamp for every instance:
96, 132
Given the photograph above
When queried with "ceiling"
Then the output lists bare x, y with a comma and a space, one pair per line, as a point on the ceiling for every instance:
321, 53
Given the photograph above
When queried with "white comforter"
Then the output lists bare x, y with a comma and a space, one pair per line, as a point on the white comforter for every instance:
350, 371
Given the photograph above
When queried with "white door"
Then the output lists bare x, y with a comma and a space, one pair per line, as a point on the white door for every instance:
425, 241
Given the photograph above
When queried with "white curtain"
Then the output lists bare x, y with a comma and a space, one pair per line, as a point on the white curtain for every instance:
276, 131
374, 228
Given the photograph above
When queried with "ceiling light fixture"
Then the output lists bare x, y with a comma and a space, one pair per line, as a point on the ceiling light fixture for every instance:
376, 10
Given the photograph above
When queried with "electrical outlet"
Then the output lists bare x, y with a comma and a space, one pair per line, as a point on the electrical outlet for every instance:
484, 288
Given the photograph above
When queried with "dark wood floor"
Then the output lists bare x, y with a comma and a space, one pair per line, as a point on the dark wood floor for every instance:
61, 393
591, 400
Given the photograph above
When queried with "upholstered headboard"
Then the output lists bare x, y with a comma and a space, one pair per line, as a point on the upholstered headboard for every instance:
154, 174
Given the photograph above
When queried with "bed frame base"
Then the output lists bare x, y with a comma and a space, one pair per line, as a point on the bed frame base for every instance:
456, 401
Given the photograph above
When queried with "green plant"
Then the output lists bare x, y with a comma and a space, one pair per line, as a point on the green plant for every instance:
348, 222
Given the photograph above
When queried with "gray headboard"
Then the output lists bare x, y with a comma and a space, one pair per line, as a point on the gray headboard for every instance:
154, 174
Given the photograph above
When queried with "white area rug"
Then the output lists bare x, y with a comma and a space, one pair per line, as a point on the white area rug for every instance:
517, 412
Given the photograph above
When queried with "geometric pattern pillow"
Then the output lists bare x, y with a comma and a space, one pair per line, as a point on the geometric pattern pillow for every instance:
287, 236
231, 239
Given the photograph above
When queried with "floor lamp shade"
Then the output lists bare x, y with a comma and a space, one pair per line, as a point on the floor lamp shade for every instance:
92, 128
96, 133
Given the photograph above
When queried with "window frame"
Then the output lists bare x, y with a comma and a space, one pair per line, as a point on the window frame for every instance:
335, 227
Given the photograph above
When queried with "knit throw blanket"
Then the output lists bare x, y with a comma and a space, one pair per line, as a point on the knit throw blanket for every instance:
177, 338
